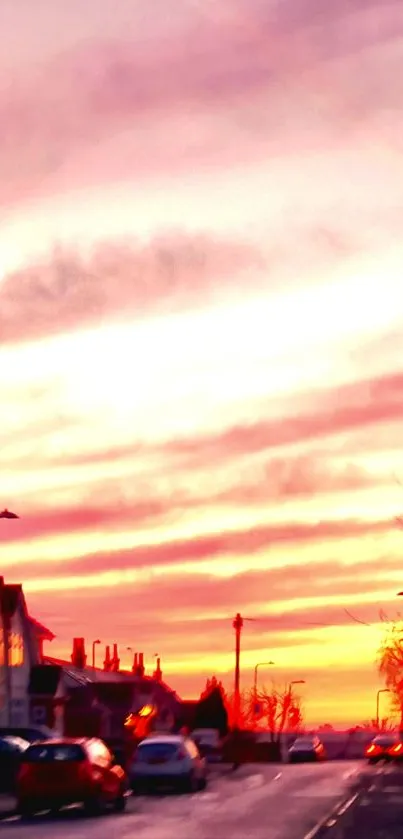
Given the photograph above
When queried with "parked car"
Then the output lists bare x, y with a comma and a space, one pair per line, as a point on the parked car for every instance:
169, 760
11, 751
306, 749
68, 771
209, 743
32, 734
384, 747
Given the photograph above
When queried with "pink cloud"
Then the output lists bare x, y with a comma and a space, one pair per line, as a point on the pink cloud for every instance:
198, 602
127, 279
367, 408
277, 480
86, 96
208, 546
349, 408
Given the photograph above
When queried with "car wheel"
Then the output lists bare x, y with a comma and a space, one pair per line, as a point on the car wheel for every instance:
202, 783
190, 784
120, 803
94, 806
25, 811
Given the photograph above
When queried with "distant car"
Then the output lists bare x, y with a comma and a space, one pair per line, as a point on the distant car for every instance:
167, 761
70, 771
11, 751
209, 743
306, 749
384, 747
31, 734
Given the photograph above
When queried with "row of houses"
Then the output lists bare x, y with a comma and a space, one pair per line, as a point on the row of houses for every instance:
71, 697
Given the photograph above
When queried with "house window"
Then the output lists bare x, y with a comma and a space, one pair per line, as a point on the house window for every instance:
16, 649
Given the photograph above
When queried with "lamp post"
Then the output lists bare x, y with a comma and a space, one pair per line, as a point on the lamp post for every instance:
259, 664
94, 643
382, 690
296, 682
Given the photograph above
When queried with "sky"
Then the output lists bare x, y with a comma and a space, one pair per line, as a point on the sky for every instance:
201, 333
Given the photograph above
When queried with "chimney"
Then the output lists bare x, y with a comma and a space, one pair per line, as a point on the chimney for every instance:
78, 656
115, 659
157, 675
141, 665
107, 662
135, 664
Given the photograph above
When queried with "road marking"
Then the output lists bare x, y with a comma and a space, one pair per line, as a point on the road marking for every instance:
349, 774
347, 805
278, 776
394, 789
331, 818
255, 781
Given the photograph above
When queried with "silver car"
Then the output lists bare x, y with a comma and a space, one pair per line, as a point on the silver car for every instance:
167, 760
306, 749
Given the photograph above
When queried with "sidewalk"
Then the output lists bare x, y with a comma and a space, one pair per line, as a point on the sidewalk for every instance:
7, 805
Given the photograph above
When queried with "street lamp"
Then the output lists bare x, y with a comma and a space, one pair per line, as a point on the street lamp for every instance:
259, 664
296, 682
382, 690
94, 643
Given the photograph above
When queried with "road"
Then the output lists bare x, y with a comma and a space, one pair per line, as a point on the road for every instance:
255, 802
377, 812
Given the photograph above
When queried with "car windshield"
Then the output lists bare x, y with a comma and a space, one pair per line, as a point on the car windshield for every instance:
385, 740
13, 744
304, 741
49, 752
209, 737
147, 752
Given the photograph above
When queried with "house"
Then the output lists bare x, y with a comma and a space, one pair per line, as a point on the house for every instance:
76, 699
20, 650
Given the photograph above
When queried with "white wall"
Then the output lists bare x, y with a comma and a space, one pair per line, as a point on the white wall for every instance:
3, 681
20, 665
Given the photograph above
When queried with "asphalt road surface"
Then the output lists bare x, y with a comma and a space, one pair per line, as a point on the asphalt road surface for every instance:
376, 812
255, 802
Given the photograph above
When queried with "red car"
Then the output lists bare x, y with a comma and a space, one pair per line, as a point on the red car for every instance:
54, 773
384, 747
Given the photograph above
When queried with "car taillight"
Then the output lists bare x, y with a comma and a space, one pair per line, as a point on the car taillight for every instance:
372, 750
396, 749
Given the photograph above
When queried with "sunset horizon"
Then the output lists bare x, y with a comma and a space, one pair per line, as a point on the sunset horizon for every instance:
201, 321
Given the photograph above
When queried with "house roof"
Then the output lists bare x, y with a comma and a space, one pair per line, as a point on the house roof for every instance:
41, 631
98, 675
10, 595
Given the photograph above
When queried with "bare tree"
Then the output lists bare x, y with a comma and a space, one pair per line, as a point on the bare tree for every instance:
280, 711
390, 663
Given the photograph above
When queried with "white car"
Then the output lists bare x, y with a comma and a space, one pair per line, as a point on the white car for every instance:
209, 743
169, 760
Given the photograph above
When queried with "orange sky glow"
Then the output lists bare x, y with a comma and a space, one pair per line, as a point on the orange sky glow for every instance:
201, 333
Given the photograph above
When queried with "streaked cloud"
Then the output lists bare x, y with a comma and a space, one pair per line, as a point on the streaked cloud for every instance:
200, 314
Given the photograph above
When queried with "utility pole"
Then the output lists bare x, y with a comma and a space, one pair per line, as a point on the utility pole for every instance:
237, 624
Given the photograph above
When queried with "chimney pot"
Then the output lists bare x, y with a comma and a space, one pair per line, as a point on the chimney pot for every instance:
107, 662
135, 663
78, 656
115, 659
158, 672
